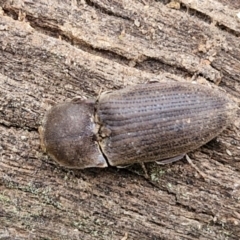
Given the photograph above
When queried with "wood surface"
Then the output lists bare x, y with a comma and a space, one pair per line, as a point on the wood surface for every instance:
53, 51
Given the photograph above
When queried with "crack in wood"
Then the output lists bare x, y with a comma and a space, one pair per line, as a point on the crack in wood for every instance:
204, 17
104, 10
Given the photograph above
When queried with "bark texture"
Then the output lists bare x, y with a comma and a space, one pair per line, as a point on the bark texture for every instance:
52, 51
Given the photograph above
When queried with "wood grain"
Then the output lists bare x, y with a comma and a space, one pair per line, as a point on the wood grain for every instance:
52, 51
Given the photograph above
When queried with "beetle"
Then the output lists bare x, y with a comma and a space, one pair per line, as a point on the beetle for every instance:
142, 123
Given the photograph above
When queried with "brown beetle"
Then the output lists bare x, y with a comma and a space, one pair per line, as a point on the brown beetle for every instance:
142, 123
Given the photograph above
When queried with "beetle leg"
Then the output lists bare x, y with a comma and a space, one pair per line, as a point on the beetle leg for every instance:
170, 160
124, 166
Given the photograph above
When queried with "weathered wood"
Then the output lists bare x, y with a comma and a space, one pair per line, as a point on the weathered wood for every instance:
52, 51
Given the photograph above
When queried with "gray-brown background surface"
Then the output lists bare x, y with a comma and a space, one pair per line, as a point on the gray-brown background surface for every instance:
52, 51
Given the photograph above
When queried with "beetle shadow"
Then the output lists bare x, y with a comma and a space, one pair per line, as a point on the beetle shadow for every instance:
214, 145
